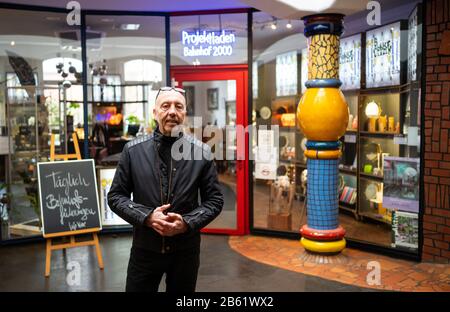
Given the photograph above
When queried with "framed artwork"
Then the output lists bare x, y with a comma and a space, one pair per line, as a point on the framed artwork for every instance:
190, 100
213, 98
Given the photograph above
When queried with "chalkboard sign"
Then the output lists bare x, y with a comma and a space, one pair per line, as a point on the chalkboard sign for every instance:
68, 197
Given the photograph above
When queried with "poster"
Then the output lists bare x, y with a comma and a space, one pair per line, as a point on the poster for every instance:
412, 46
383, 56
286, 73
350, 62
401, 183
405, 229
266, 160
108, 216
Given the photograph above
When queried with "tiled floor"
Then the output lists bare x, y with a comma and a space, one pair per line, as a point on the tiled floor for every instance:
350, 267
221, 269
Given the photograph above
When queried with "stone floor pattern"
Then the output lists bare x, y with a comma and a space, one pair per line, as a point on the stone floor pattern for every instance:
350, 267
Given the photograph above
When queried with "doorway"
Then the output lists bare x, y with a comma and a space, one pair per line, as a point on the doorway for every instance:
216, 96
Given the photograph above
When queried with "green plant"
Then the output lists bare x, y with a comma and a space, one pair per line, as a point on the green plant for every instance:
133, 120
72, 107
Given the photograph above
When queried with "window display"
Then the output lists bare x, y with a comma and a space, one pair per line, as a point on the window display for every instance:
383, 107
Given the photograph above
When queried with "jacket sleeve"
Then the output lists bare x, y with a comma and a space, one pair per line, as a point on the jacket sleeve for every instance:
120, 193
211, 199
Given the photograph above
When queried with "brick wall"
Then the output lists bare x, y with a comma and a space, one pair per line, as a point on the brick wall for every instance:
436, 220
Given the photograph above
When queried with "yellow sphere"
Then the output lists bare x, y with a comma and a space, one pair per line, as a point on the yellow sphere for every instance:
323, 114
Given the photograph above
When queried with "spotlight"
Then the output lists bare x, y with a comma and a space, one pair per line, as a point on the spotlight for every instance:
289, 25
273, 26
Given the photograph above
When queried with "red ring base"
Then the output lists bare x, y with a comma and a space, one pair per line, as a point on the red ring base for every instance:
322, 235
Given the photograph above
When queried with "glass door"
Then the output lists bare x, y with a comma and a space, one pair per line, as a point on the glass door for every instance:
217, 115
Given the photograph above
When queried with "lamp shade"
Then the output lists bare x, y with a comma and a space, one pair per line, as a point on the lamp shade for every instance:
372, 109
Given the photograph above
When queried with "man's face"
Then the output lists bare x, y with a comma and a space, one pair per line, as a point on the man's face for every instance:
169, 111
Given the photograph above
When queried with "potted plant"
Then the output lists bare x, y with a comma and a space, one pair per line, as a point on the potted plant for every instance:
133, 124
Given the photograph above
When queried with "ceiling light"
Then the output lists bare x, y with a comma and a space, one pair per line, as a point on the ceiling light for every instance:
289, 25
273, 25
13, 43
130, 26
312, 6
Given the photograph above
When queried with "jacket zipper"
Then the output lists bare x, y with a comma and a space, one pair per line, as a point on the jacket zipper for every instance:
167, 198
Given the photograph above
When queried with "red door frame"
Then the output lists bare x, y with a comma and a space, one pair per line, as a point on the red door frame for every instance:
240, 74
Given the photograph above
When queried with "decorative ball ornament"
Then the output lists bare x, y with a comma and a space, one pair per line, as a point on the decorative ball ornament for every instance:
323, 114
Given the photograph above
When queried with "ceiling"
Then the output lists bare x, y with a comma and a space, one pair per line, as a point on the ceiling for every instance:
288, 9
47, 25
142, 5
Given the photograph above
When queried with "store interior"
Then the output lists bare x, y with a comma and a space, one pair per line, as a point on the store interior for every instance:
41, 94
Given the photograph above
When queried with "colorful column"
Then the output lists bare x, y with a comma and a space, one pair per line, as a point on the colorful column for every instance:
323, 117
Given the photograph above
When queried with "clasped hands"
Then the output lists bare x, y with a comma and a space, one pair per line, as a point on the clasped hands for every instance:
169, 224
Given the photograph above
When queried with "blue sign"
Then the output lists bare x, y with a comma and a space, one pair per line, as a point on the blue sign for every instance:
208, 42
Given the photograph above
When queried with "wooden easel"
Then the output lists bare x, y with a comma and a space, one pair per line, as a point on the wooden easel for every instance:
71, 234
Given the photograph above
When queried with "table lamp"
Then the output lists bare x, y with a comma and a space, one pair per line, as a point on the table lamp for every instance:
372, 111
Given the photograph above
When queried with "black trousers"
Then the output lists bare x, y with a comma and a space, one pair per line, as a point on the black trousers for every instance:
146, 268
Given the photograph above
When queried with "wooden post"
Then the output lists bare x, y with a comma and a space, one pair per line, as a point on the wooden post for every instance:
73, 243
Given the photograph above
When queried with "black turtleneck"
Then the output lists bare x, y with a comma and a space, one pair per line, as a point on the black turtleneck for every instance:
165, 147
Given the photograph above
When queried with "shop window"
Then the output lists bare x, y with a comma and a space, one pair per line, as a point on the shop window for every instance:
380, 164
32, 89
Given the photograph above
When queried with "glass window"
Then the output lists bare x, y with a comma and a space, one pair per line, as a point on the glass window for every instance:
32, 108
380, 163
208, 39
124, 80
279, 194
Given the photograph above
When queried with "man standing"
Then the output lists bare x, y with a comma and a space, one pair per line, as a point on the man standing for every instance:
165, 212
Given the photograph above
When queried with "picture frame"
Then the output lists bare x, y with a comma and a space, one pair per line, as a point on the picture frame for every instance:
212, 98
190, 100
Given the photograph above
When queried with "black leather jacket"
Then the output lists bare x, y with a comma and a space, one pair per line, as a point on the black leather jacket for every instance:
138, 174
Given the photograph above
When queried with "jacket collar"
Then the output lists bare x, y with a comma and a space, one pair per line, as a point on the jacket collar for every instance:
159, 137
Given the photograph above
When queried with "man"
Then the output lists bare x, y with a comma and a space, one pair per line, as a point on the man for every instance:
165, 212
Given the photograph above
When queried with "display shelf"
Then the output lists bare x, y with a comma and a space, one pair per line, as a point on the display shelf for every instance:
347, 207
348, 171
371, 176
387, 135
374, 216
